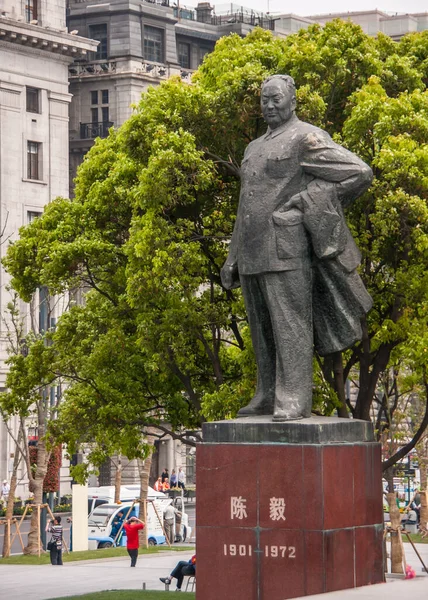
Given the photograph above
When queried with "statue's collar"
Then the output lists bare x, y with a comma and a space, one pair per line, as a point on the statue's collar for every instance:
272, 133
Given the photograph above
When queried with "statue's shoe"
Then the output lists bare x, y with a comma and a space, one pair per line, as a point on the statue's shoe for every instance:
292, 411
284, 416
257, 406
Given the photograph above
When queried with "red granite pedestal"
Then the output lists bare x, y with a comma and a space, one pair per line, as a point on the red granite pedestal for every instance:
283, 520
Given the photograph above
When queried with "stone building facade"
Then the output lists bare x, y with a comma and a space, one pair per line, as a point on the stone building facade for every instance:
141, 44
371, 21
35, 53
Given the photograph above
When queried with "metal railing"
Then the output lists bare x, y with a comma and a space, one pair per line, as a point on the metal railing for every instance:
159, 2
88, 69
90, 131
184, 13
249, 18
256, 20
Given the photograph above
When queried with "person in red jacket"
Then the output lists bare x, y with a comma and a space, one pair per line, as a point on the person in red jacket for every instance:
132, 527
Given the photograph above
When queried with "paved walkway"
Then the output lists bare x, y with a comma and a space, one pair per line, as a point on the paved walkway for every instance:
412, 589
396, 588
24, 582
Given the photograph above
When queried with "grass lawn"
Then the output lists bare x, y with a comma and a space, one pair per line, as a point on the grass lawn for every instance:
44, 559
416, 538
127, 595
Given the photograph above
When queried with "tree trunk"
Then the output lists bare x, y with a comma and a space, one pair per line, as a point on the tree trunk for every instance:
11, 498
423, 473
118, 480
422, 452
396, 544
144, 467
339, 383
424, 509
36, 487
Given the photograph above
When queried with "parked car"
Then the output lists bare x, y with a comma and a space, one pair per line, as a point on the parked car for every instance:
105, 494
100, 522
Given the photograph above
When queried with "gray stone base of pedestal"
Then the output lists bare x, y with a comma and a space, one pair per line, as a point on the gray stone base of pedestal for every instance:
262, 430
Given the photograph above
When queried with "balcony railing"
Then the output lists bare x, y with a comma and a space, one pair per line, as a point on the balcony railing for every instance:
90, 131
257, 20
89, 69
250, 18
160, 2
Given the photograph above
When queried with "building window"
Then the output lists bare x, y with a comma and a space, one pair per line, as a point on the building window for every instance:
153, 44
95, 110
33, 160
105, 114
32, 215
99, 33
100, 117
202, 52
33, 100
31, 10
183, 52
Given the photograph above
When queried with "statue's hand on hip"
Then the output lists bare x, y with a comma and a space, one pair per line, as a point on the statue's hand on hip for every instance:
230, 276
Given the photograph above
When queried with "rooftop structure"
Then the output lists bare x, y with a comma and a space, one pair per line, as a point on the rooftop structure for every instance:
371, 21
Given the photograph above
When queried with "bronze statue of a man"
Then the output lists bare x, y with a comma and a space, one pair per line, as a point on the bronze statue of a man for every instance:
293, 254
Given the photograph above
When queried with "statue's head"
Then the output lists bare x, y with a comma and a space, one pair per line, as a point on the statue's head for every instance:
278, 99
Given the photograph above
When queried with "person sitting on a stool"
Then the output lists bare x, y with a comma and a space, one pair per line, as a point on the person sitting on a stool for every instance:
180, 571
410, 518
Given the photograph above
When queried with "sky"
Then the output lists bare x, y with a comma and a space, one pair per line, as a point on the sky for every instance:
311, 7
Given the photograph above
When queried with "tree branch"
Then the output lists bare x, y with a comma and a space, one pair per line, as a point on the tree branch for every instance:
225, 163
404, 450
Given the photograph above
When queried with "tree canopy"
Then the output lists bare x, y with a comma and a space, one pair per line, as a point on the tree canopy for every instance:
157, 338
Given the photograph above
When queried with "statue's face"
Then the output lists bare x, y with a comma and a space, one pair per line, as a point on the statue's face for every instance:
278, 102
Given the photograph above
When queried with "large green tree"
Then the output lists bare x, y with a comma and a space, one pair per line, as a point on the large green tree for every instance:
158, 339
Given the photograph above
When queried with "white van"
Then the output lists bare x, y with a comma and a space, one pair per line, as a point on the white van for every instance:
100, 523
105, 494
100, 520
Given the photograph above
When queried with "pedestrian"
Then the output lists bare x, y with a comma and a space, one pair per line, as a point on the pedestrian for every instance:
415, 504
178, 520
116, 525
158, 484
181, 479
182, 569
158, 487
165, 475
54, 527
132, 526
168, 522
165, 486
173, 480
5, 489
409, 517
